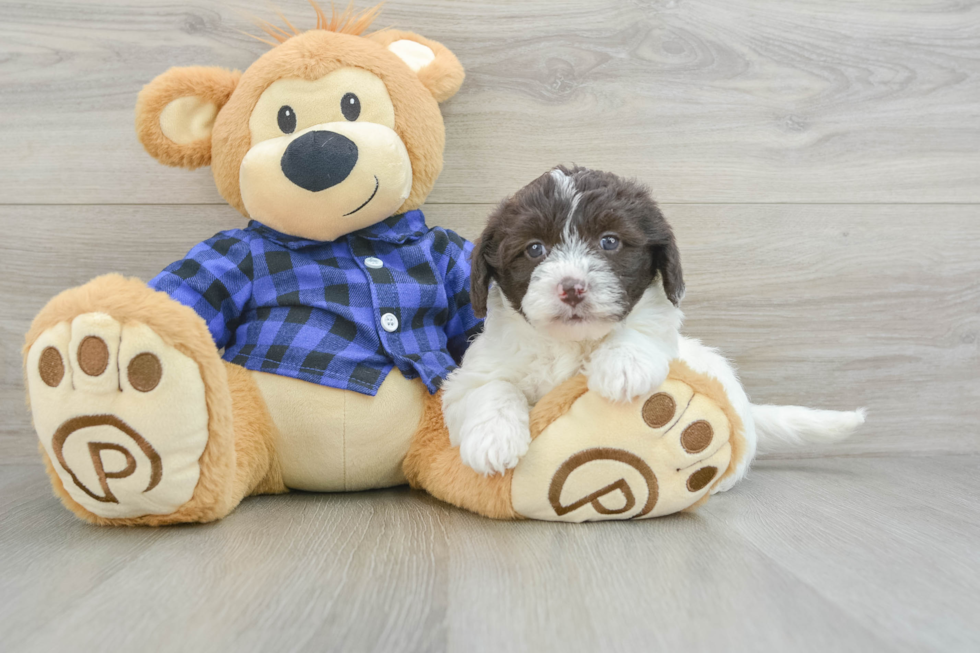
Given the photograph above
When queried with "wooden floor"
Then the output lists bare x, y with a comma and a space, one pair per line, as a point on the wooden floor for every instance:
836, 554
820, 163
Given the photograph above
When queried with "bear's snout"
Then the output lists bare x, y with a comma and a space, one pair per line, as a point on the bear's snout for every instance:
318, 160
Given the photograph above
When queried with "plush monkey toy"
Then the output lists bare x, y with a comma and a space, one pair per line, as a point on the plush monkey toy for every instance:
305, 350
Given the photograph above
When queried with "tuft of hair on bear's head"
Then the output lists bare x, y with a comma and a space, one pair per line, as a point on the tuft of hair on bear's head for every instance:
347, 21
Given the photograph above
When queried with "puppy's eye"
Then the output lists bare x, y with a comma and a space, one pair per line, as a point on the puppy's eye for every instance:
287, 119
535, 250
350, 105
609, 243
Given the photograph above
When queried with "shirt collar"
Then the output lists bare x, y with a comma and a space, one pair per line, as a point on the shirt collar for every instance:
397, 229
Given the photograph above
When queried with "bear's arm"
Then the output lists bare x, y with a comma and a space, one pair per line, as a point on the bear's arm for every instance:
462, 325
215, 279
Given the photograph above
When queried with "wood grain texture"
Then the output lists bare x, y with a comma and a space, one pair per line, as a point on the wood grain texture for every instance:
870, 554
826, 306
756, 101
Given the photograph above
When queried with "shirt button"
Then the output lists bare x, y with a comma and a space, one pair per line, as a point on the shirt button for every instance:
374, 263
389, 322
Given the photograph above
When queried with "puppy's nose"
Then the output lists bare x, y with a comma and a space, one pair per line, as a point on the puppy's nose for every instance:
571, 291
318, 160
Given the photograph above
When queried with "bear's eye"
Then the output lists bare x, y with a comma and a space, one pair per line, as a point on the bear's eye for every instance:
609, 242
287, 119
350, 105
535, 250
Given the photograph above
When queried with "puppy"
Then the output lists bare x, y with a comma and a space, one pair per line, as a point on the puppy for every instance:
579, 273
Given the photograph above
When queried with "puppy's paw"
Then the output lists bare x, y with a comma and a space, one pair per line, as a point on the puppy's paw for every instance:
494, 447
622, 373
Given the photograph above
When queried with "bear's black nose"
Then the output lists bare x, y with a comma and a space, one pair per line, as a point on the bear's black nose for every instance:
318, 160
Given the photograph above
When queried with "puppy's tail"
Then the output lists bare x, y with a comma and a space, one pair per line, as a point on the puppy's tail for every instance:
783, 427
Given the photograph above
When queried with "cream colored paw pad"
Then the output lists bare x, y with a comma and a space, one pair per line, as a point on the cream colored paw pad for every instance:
603, 460
121, 415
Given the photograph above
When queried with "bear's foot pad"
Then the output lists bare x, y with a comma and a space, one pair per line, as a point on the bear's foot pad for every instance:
121, 415
602, 460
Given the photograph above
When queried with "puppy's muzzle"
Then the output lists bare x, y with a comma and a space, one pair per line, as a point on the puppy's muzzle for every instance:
318, 160
571, 291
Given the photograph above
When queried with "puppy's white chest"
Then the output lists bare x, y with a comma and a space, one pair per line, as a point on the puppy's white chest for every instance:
552, 367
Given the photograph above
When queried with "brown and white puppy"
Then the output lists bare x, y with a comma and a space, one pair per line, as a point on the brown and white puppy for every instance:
579, 273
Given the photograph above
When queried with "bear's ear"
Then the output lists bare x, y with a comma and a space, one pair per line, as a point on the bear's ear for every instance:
438, 69
175, 113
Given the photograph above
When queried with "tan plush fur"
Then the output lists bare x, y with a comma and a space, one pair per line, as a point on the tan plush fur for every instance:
443, 76
434, 465
312, 55
556, 403
224, 478
337, 440
713, 390
257, 468
309, 55
212, 84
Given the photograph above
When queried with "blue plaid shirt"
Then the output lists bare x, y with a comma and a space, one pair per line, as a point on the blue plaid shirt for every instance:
321, 311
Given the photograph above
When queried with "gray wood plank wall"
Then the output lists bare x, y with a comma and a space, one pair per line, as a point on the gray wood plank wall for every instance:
820, 162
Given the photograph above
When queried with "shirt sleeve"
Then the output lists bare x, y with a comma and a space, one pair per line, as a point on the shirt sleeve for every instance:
215, 279
462, 325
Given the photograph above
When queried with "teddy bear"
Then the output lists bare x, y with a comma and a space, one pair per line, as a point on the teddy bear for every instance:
305, 350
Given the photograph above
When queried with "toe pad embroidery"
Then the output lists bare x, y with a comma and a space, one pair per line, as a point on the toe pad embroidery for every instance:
658, 410
51, 367
93, 355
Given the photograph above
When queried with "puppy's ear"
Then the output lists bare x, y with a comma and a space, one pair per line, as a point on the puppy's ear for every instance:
667, 261
481, 273
437, 68
175, 113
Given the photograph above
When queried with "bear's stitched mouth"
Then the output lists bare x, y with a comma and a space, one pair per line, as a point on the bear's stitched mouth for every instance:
377, 185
